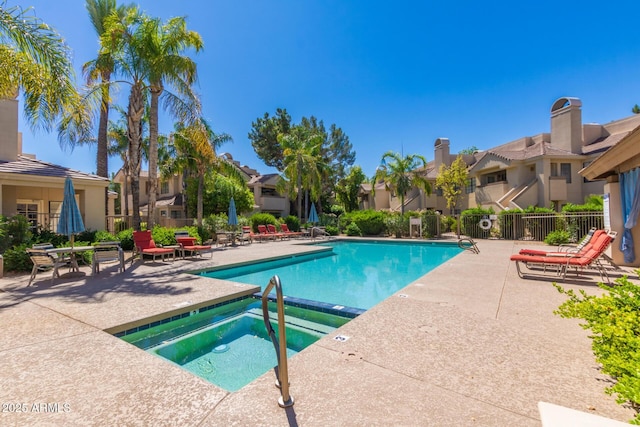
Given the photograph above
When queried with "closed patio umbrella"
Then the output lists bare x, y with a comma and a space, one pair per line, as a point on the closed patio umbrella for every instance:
70, 221
313, 215
233, 215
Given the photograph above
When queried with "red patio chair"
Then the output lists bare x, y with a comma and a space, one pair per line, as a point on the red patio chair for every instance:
144, 245
289, 233
188, 244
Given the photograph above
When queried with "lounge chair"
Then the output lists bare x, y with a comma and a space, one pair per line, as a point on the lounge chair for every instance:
144, 245
43, 261
289, 233
562, 263
271, 229
188, 244
262, 231
585, 243
105, 252
246, 236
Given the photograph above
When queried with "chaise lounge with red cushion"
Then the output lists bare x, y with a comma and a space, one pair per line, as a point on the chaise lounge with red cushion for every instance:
144, 245
188, 244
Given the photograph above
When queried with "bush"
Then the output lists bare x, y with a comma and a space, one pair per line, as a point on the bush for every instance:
17, 259
369, 222
394, 223
119, 225
558, 237
86, 236
292, 223
126, 239
163, 236
14, 231
470, 222
353, 230
614, 321
262, 219
332, 230
104, 236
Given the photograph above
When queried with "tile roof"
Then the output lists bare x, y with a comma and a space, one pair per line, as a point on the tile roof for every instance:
29, 166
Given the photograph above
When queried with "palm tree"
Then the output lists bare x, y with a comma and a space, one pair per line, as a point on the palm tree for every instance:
400, 174
194, 149
118, 145
99, 71
35, 60
163, 52
303, 165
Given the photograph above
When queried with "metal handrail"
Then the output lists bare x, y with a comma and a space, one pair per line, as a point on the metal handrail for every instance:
282, 371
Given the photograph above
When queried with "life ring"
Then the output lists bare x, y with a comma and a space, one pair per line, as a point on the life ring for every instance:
485, 224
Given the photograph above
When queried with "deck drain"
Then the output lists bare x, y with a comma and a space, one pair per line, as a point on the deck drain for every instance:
403, 296
341, 338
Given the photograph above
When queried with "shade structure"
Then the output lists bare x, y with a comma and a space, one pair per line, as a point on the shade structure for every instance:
313, 214
233, 215
70, 221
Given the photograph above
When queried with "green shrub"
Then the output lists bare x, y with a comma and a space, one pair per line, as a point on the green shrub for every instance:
104, 236
126, 239
394, 223
262, 218
86, 236
163, 236
292, 223
332, 230
353, 230
17, 259
558, 237
119, 225
14, 231
369, 222
614, 321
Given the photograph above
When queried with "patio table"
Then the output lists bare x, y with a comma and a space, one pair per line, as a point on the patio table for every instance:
72, 253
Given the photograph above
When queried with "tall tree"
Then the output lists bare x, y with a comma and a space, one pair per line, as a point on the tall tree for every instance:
451, 180
164, 47
303, 165
400, 174
124, 41
348, 188
264, 137
35, 60
99, 71
195, 149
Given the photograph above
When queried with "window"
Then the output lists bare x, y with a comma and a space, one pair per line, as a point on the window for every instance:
471, 186
565, 170
439, 192
269, 192
500, 176
164, 187
29, 211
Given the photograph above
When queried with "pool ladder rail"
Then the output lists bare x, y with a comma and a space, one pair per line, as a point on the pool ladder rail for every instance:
282, 372
468, 244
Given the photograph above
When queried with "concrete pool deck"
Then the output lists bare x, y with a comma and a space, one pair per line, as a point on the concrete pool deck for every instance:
470, 343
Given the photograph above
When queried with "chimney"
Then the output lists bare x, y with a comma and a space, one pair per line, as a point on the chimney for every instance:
441, 153
566, 125
9, 130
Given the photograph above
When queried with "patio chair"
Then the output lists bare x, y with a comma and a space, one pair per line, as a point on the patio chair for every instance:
107, 252
584, 244
43, 261
271, 229
246, 236
262, 231
144, 245
289, 233
222, 238
189, 244
562, 263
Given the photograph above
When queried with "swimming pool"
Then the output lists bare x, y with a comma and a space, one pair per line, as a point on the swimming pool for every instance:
350, 273
229, 345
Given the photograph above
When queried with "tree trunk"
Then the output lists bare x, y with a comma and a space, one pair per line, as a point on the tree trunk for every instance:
156, 90
200, 200
102, 160
134, 134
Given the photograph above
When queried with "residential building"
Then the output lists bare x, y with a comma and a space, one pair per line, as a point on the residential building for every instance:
35, 189
540, 170
619, 167
170, 202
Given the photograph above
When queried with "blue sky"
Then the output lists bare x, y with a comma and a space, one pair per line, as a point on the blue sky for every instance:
393, 75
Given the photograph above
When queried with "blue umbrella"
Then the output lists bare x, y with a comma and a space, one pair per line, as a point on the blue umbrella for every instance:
313, 215
70, 221
233, 215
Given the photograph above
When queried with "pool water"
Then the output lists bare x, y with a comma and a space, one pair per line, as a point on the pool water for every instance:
229, 346
350, 273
